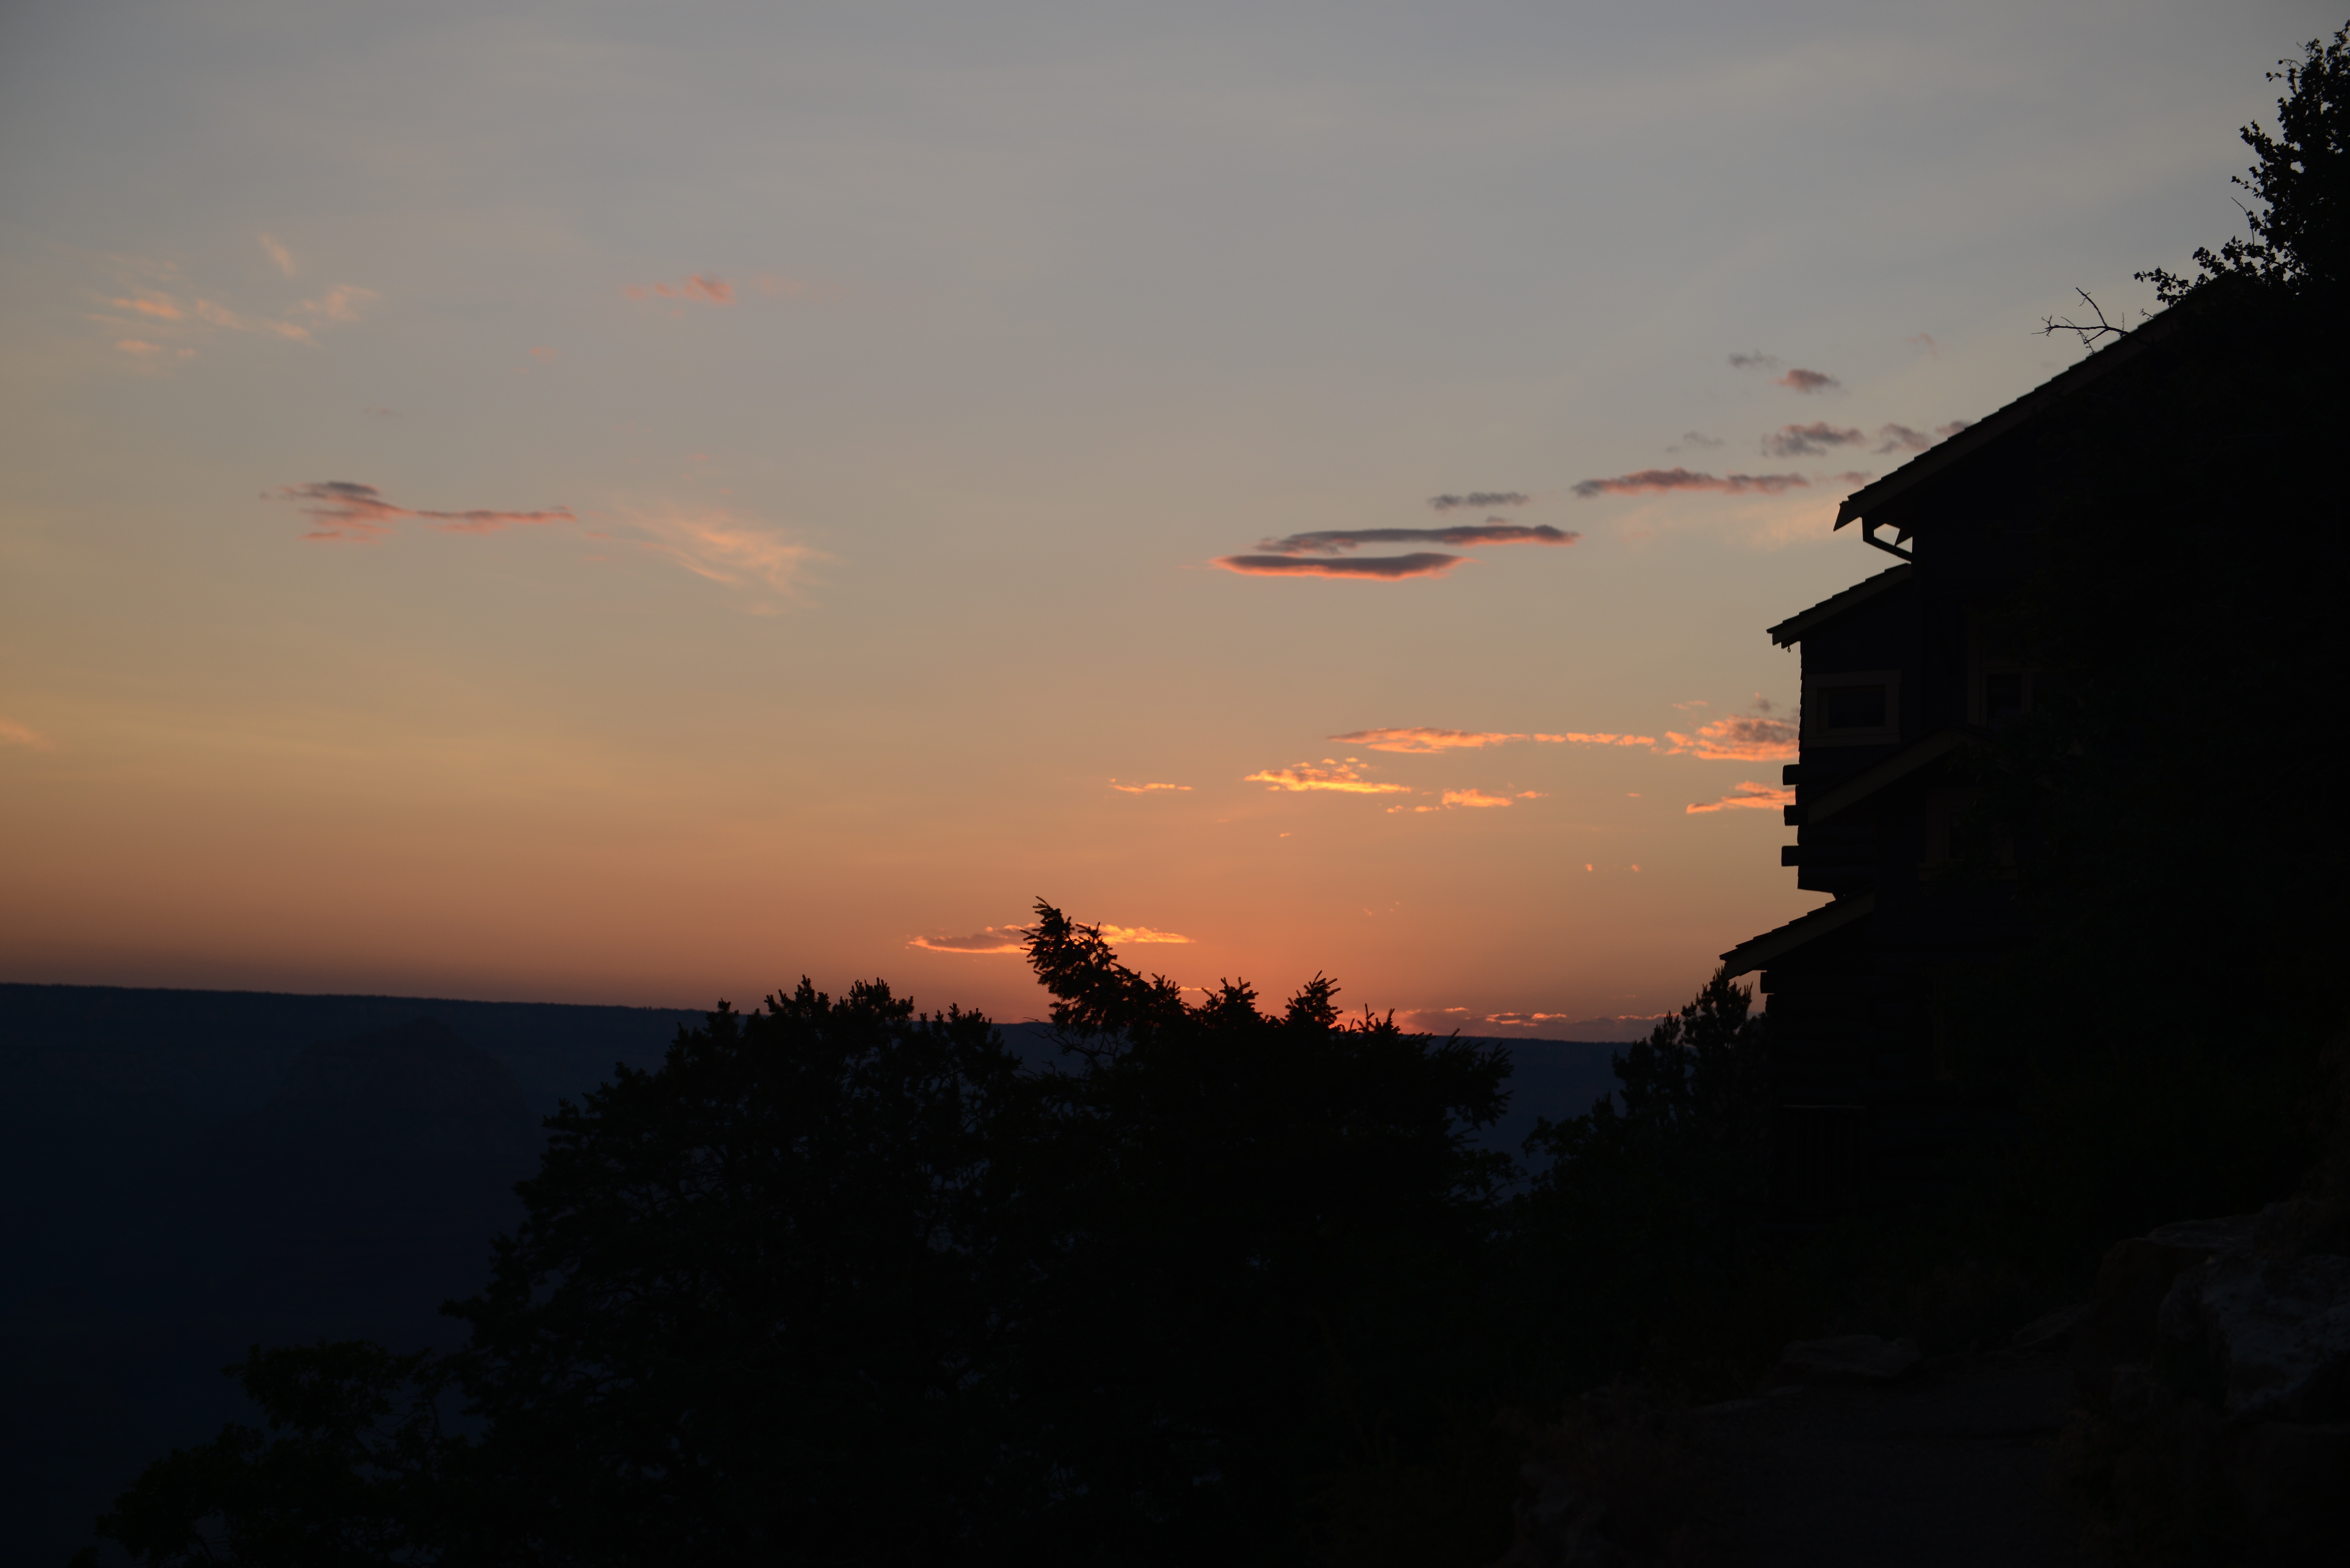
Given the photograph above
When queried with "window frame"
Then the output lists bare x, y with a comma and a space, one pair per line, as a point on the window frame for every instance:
1816, 731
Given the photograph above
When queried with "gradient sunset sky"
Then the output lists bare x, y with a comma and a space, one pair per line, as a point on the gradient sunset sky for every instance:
637, 503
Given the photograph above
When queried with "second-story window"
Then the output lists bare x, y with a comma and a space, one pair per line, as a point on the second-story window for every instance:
1851, 707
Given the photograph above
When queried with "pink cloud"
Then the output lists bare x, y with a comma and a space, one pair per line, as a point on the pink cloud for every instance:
1343, 778
1420, 564
1801, 381
340, 509
709, 290
159, 307
1761, 797
15, 734
342, 303
1654, 481
1744, 740
718, 546
1145, 788
276, 251
138, 346
545, 356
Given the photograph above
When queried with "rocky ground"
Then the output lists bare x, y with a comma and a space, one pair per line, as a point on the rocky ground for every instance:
1952, 1465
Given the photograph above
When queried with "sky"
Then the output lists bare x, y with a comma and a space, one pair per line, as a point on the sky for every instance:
637, 503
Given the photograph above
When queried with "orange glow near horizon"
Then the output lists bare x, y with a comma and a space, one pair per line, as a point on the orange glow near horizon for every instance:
443, 555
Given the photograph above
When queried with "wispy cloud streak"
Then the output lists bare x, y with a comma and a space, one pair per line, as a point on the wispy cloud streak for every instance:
708, 290
1808, 441
1901, 438
1737, 740
1330, 775
1479, 500
1657, 480
1137, 936
1758, 796
342, 509
723, 549
1426, 742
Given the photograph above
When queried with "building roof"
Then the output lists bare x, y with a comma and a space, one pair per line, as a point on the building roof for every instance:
1789, 633
1754, 952
1986, 431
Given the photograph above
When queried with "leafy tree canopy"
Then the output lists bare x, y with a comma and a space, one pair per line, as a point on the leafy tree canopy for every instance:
2301, 179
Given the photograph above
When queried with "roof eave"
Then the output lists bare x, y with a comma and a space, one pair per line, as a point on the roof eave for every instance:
1989, 429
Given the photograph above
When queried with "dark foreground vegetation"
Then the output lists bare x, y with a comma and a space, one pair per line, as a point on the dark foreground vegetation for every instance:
842, 1283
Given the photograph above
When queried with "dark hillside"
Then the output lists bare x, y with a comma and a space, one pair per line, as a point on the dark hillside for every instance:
194, 1172
191, 1172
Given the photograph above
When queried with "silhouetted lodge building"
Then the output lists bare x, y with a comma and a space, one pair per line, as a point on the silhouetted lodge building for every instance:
1900, 672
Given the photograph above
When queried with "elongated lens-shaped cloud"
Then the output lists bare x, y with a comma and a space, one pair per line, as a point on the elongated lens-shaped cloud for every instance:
986, 940
1423, 563
1479, 499
1802, 380
343, 509
1335, 540
1655, 480
1426, 742
1014, 939
1146, 788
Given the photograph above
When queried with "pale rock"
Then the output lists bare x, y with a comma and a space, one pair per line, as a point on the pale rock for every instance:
2275, 1331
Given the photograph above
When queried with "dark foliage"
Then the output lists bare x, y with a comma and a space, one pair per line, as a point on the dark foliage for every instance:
355, 1471
840, 1283
2301, 178
1633, 1229
756, 1299
1268, 1225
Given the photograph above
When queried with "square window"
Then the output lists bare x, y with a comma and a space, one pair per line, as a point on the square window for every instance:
1853, 708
